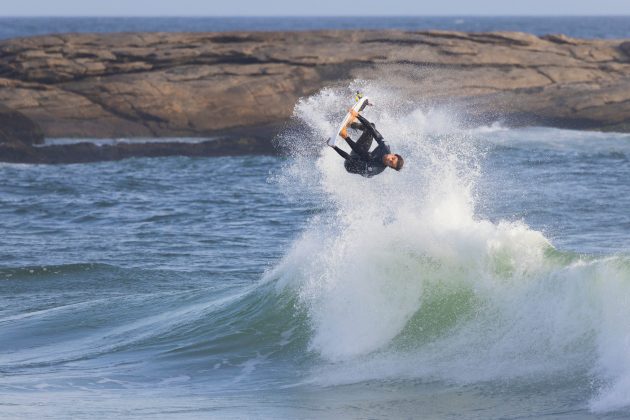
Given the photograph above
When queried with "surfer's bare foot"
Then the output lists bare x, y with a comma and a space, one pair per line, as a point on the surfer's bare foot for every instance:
353, 113
344, 132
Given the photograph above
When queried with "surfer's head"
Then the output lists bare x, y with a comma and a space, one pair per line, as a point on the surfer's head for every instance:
394, 161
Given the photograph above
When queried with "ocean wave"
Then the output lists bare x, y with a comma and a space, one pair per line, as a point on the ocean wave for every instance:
38, 271
401, 279
396, 278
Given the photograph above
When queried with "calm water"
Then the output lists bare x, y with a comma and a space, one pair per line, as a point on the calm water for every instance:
488, 279
581, 27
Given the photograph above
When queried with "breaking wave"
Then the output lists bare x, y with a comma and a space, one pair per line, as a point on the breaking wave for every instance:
394, 278
400, 279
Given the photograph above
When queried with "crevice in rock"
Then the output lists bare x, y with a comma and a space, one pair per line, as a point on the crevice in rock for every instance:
115, 112
481, 37
544, 74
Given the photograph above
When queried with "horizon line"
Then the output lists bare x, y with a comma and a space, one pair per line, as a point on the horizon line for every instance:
318, 16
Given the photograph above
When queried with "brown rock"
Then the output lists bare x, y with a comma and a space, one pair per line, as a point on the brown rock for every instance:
88, 152
17, 130
159, 84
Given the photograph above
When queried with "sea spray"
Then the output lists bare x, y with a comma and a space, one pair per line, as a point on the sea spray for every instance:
503, 302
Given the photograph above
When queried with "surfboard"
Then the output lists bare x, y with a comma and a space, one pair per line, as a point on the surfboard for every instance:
359, 106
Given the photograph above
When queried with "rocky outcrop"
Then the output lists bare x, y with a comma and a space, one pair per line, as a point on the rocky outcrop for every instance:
90, 152
16, 129
244, 85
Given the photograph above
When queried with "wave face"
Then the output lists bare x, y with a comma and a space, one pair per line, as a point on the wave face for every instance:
489, 278
401, 279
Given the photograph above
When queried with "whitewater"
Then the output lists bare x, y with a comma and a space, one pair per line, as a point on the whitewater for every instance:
403, 280
490, 278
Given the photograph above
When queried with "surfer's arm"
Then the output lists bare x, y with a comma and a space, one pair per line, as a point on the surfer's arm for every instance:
341, 153
368, 126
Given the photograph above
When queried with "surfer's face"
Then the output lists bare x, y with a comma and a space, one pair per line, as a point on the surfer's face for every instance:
390, 160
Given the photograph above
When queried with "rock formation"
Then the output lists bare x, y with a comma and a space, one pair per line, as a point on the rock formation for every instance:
244, 85
17, 129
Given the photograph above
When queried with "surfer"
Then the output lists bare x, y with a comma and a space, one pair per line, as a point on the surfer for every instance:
361, 161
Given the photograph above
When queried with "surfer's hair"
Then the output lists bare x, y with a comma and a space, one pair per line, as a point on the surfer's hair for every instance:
400, 163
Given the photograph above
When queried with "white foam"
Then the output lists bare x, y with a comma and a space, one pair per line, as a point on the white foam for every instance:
123, 140
390, 244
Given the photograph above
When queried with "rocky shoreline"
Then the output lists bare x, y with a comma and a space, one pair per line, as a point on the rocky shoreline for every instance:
241, 87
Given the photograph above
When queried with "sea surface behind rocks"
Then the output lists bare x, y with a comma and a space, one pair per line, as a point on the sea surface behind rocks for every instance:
573, 26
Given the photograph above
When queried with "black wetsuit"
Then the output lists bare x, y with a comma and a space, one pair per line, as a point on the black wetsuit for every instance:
361, 161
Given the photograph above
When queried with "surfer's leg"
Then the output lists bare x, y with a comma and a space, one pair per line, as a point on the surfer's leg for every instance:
357, 126
358, 150
365, 141
370, 127
362, 146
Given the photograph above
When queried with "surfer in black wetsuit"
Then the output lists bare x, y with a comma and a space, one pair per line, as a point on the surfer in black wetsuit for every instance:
363, 162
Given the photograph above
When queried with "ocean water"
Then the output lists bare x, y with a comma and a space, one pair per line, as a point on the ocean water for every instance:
575, 26
490, 278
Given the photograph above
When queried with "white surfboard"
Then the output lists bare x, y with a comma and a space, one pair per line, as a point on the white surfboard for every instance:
359, 106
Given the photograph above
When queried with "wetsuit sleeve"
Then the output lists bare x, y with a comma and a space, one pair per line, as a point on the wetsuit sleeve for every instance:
342, 153
368, 126
358, 150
